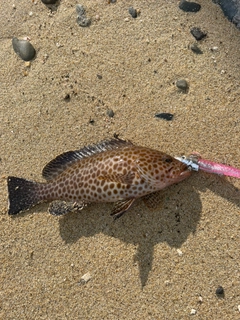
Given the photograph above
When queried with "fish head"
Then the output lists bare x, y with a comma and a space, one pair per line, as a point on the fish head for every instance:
161, 170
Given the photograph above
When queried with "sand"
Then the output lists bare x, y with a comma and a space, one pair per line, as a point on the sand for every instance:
150, 264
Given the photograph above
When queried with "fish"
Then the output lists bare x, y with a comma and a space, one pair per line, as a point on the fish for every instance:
113, 170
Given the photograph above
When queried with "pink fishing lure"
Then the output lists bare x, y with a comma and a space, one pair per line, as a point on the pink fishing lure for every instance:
196, 163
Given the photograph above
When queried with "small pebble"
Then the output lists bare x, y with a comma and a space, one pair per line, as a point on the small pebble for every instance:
85, 278
238, 307
67, 97
189, 6
182, 84
99, 76
179, 252
49, 1
198, 34
164, 115
132, 12
196, 49
193, 312
110, 113
27, 64
82, 20
220, 291
80, 10
24, 49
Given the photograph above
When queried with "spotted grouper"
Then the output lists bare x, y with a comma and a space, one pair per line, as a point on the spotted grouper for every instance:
113, 170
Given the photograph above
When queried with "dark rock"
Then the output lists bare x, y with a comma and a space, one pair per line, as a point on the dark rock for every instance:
198, 33
220, 291
110, 113
24, 49
80, 10
49, 1
182, 84
164, 115
195, 49
189, 6
132, 12
99, 76
231, 9
82, 20
67, 97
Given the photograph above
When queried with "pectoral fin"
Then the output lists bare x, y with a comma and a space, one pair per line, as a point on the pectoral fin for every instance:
154, 200
121, 207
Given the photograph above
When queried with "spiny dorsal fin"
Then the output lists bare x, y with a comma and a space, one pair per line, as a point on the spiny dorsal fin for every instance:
66, 159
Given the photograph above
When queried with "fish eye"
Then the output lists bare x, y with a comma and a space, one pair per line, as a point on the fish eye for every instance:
168, 160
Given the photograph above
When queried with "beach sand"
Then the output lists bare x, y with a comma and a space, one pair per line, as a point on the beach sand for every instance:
149, 264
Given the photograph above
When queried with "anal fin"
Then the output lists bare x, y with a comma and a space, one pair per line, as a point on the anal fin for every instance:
59, 208
121, 207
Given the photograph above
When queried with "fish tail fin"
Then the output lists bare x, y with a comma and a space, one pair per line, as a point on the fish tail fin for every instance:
22, 194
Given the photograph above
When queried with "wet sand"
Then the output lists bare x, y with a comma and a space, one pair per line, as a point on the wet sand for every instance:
149, 264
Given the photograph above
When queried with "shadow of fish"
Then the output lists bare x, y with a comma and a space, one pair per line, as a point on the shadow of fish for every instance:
113, 170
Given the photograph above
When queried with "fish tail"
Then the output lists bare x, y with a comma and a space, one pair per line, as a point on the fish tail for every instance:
22, 194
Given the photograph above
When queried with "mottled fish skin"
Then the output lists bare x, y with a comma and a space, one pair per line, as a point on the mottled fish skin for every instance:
111, 171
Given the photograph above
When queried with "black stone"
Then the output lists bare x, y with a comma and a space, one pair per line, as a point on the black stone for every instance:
231, 9
110, 113
220, 291
196, 49
24, 49
164, 115
182, 84
80, 10
49, 1
133, 12
189, 6
82, 20
198, 33
67, 97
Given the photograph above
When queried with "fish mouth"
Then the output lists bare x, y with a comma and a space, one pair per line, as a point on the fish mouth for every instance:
186, 172
182, 173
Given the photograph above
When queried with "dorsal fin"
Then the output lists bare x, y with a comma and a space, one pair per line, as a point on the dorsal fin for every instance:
66, 159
